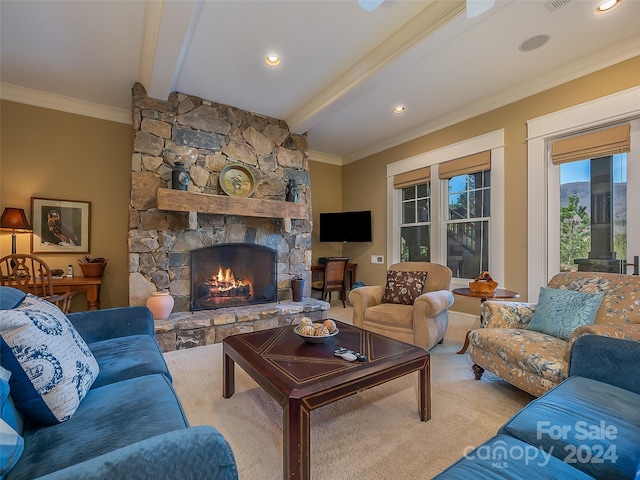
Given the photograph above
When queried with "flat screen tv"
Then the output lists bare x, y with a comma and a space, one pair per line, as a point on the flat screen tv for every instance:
345, 227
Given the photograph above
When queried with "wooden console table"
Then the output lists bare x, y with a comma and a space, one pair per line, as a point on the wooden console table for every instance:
90, 286
351, 270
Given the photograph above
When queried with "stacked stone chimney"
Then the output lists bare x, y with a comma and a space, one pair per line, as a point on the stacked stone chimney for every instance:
206, 137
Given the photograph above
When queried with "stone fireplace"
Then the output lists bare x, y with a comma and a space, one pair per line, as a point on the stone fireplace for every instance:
232, 274
167, 227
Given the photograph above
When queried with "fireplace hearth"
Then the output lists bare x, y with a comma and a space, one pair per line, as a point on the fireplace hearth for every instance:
232, 274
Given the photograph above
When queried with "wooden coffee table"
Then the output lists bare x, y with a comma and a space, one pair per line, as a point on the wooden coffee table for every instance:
303, 376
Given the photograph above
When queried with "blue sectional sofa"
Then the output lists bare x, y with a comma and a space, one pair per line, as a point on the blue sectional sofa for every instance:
586, 427
130, 423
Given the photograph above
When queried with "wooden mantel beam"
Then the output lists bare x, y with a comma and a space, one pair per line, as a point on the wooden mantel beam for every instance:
181, 201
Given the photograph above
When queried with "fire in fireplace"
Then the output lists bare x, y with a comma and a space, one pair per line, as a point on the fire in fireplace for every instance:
232, 274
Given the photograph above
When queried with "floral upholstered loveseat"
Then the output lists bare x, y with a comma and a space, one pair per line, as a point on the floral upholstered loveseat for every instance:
536, 362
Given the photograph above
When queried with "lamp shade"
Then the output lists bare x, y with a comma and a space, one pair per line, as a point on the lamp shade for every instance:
14, 219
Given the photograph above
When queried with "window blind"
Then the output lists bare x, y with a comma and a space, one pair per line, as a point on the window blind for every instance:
474, 163
414, 177
592, 145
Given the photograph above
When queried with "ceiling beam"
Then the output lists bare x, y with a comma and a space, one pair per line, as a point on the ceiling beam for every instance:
430, 19
168, 29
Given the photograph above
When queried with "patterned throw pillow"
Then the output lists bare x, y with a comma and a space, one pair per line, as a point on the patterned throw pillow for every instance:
559, 312
51, 366
403, 287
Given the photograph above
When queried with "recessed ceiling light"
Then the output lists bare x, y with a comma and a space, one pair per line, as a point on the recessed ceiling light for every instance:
533, 43
272, 60
607, 6
399, 109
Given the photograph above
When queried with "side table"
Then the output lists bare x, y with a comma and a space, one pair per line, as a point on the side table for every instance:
499, 294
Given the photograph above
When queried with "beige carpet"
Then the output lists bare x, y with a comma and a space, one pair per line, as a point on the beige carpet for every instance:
375, 434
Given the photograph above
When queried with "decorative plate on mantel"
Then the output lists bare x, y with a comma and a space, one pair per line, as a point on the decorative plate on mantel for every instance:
237, 181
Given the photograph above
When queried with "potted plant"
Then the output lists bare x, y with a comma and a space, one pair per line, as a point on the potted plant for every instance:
92, 267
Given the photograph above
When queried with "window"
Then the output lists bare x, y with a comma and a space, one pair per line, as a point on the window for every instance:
544, 177
580, 222
446, 206
415, 230
467, 224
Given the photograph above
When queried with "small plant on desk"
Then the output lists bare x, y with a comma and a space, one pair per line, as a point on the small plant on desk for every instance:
92, 267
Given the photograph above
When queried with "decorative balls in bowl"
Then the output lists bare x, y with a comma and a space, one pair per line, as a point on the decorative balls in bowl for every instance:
316, 332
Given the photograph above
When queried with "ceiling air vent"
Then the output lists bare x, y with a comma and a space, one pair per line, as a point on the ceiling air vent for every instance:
554, 5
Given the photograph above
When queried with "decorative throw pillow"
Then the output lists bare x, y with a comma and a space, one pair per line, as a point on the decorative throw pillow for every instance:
7, 410
11, 447
560, 312
51, 365
11, 444
10, 297
403, 287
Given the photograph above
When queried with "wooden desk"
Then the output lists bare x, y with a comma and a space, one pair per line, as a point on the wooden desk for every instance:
499, 294
90, 286
351, 271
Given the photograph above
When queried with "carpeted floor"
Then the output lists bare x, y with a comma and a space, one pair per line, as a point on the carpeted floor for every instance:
375, 434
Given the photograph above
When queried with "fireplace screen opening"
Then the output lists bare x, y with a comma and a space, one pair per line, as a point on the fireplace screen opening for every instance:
232, 274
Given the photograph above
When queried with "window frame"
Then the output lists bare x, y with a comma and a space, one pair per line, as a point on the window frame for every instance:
543, 215
403, 202
469, 219
493, 141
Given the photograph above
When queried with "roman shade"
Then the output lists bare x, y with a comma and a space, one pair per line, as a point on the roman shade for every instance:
592, 145
474, 163
414, 177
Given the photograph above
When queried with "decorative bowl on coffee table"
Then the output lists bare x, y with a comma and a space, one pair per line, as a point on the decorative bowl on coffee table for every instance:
314, 339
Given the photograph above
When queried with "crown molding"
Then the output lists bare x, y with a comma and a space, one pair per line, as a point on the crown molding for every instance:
38, 98
316, 156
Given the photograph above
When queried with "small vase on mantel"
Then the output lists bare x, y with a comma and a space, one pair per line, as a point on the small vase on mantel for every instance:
160, 304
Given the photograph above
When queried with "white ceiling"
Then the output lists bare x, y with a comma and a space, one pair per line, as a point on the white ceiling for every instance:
343, 69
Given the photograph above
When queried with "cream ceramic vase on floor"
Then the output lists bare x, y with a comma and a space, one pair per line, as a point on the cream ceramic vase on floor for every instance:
160, 304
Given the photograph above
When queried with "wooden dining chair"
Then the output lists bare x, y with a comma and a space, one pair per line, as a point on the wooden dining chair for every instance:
335, 275
32, 275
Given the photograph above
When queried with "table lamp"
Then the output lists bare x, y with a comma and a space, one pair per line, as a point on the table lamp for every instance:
15, 220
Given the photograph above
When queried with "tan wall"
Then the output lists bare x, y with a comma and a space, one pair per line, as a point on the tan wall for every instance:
326, 196
366, 189
364, 185
51, 154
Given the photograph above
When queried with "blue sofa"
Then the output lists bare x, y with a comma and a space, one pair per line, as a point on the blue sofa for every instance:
586, 427
130, 424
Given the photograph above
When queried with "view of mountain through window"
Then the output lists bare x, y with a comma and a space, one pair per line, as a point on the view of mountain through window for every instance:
579, 208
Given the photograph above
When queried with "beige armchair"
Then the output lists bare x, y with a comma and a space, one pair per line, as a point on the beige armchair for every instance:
423, 324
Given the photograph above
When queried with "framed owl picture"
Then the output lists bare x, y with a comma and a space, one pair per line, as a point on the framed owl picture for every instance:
60, 226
